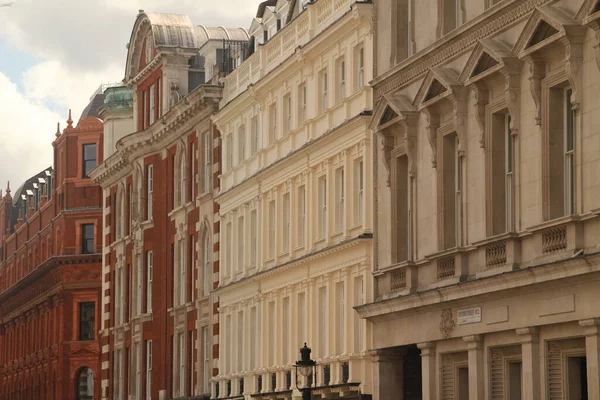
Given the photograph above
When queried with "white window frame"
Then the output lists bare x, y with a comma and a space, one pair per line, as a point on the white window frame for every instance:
205, 360
569, 152
241, 144
253, 135
509, 172
360, 190
229, 151
182, 272
360, 73
324, 90
302, 103
241, 240
272, 231
340, 189
341, 300
150, 191
288, 112
139, 272
207, 164
273, 122
458, 185
152, 106
286, 221
138, 369
322, 191
206, 268
149, 278
183, 178
342, 75
182, 362
301, 215
253, 237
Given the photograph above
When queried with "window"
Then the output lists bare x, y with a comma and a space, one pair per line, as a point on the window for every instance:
401, 200
89, 159
240, 341
150, 189
323, 317
301, 215
273, 122
87, 239
287, 331
241, 144
287, 104
458, 188
341, 317
500, 162
302, 104
323, 82
183, 178
206, 274
302, 323
403, 25
451, 184
339, 183
182, 272
569, 174
228, 253
253, 341
181, 340
360, 67
286, 222
322, 207
138, 369
241, 240
206, 360
148, 369
207, 166
87, 321
145, 112
253, 238
359, 185
253, 135
342, 79
85, 384
272, 329
359, 287
451, 15
229, 151
272, 229
149, 278
151, 101
193, 171
139, 276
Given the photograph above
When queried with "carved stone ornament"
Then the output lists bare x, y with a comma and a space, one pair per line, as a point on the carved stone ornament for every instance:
447, 323
537, 72
433, 123
481, 96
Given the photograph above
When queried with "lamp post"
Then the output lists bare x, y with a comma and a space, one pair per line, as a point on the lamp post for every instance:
305, 366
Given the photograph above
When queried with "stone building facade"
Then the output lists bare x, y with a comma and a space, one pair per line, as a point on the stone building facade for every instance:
50, 265
295, 203
487, 249
159, 331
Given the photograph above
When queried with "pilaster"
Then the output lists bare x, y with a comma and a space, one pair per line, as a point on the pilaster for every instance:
428, 355
476, 367
530, 353
592, 349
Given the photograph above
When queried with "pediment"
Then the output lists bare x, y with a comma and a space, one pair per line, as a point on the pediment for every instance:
438, 84
587, 10
488, 56
83, 352
545, 25
392, 106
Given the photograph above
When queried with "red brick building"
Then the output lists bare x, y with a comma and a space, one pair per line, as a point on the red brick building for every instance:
50, 273
159, 332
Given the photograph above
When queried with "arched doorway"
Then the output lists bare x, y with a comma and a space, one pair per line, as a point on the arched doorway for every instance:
85, 384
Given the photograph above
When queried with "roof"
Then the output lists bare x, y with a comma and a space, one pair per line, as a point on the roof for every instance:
93, 108
172, 30
204, 34
28, 185
263, 6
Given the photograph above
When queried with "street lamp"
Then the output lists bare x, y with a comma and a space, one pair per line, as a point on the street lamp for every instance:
305, 366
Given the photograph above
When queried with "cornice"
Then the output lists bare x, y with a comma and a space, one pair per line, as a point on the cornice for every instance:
485, 25
199, 104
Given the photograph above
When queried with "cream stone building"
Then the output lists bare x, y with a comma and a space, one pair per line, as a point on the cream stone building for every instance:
296, 203
487, 235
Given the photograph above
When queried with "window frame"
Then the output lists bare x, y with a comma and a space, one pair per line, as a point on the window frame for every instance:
81, 337
85, 240
85, 168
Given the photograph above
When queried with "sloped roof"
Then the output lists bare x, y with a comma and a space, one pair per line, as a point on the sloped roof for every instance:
172, 30
93, 108
204, 34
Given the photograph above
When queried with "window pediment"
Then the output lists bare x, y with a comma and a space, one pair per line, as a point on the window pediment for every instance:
438, 84
488, 56
485, 63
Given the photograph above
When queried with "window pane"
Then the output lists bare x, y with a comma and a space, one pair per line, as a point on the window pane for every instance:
87, 321
89, 158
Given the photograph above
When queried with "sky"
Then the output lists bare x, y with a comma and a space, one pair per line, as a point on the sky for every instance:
54, 54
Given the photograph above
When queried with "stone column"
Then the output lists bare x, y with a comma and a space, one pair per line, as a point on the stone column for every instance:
428, 370
388, 374
477, 368
592, 350
530, 354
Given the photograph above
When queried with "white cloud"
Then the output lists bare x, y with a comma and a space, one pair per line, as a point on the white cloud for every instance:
79, 44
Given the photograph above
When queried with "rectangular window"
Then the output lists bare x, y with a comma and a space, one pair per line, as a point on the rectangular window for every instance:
323, 318
241, 240
569, 140
229, 151
339, 183
87, 321
360, 67
182, 360
182, 272
87, 239
359, 287
241, 144
286, 222
287, 104
302, 323
149, 277
458, 201
302, 104
89, 159
273, 122
324, 83
450, 185
509, 149
253, 238
228, 253
138, 370
240, 341
401, 200
253, 135
272, 329
152, 111
342, 79
322, 182
451, 14
341, 317
500, 154
207, 166
359, 185
272, 222
193, 171
205, 360
139, 275
150, 189
285, 316
301, 215
253, 338
144, 123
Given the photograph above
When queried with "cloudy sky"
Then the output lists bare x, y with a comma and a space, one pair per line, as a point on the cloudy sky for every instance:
54, 54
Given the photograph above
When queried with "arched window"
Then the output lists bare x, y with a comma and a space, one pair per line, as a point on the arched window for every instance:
85, 384
206, 276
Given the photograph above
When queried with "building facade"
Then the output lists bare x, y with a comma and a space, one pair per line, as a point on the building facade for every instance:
295, 203
50, 265
487, 263
159, 335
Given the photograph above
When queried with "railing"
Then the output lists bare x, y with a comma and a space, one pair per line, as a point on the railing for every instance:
326, 375
345, 372
398, 280
446, 267
259, 384
273, 382
300, 31
554, 239
495, 255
